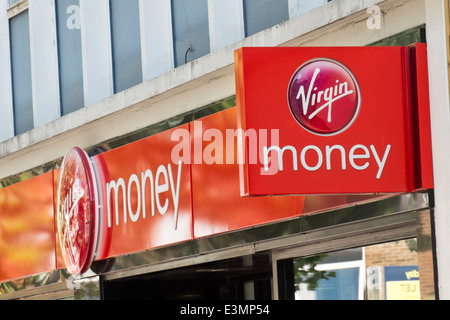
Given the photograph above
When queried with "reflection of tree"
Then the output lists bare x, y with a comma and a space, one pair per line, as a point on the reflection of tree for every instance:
32, 282
305, 272
405, 38
412, 245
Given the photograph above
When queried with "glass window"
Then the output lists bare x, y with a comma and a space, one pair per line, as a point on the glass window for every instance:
334, 276
21, 72
190, 30
263, 14
70, 57
405, 38
387, 271
126, 43
12, 2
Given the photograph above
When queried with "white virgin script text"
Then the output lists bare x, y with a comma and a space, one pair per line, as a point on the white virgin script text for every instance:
329, 95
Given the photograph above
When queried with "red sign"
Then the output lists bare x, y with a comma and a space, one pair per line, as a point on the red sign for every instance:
174, 186
315, 120
178, 185
217, 204
345, 127
146, 196
27, 230
77, 211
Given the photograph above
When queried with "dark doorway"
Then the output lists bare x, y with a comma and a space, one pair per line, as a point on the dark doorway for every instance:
242, 278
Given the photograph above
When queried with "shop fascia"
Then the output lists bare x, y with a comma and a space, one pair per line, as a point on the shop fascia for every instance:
302, 133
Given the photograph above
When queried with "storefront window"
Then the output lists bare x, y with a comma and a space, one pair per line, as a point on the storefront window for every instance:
242, 278
387, 271
126, 44
190, 30
334, 276
69, 50
21, 71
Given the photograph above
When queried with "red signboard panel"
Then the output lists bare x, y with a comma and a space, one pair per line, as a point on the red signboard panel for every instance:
342, 120
27, 234
146, 198
217, 204
174, 186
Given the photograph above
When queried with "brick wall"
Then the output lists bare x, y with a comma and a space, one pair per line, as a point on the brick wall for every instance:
390, 254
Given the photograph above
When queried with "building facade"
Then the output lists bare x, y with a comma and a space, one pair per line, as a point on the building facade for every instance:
105, 75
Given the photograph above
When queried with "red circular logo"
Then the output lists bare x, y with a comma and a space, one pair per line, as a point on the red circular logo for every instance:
324, 97
77, 212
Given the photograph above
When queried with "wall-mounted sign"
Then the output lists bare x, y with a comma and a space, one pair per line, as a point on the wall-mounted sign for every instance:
346, 119
165, 189
77, 211
318, 120
146, 196
155, 192
26, 225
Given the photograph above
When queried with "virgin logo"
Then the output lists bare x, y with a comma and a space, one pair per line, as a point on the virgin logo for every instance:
324, 97
77, 214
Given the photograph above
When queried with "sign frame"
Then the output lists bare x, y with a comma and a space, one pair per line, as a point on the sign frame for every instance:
387, 149
77, 211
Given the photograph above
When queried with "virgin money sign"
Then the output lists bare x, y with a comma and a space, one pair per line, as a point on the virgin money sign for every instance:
167, 188
343, 120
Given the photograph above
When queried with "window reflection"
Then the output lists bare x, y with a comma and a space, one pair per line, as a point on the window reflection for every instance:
387, 271
333, 276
